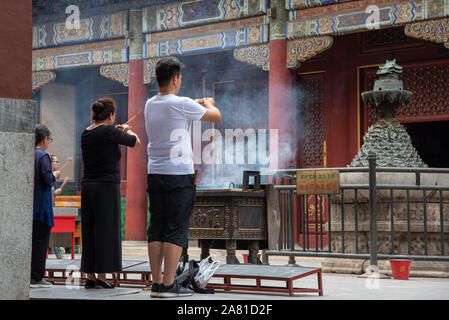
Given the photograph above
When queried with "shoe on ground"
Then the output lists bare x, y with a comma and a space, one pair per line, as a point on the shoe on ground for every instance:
103, 285
155, 288
40, 284
90, 284
173, 291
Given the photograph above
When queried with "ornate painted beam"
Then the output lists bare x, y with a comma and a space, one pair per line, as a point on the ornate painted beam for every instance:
191, 13
79, 59
301, 4
41, 78
86, 54
301, 50
101, 27
206, 42
349, 19
436, 30
258, 55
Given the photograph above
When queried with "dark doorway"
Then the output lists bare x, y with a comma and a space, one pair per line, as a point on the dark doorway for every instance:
431, 140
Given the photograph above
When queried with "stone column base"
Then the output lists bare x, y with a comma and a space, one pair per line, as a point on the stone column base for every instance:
17, 121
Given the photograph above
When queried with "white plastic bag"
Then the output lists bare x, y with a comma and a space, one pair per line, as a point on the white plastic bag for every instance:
207, 268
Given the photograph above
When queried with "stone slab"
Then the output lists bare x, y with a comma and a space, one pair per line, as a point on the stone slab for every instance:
63, 264
126, 264
17, 116
62, 211
78, 293
143, 267
16, 196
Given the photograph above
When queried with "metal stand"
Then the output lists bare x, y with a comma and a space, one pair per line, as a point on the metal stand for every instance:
231, 246
253, 250
373, 269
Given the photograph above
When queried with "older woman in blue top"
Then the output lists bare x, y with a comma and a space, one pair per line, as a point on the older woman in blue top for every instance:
43, 221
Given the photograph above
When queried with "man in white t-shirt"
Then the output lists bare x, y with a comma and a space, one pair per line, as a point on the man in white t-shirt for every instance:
171, 189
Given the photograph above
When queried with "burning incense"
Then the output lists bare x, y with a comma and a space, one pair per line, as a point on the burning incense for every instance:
132, 118
66, 179
201, 101
65, 163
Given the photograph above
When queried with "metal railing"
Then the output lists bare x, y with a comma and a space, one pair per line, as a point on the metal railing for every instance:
312, 242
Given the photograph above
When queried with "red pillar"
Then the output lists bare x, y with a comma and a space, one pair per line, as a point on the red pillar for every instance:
16, 50
342, 139
281, 111
136, 174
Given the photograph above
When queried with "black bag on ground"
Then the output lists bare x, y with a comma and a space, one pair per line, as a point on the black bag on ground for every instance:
186, 277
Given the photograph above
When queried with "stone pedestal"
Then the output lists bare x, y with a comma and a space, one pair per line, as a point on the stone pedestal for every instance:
17, 121
383, 213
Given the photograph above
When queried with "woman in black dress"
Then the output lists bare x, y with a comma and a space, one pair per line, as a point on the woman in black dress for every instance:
100, 193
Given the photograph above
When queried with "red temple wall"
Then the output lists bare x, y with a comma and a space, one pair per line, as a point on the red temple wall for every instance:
344, 70
16, 46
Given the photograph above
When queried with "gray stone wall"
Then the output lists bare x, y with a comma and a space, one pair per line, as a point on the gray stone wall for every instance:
17, 121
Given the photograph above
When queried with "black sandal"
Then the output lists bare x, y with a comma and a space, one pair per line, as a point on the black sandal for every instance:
103, 285
89, 284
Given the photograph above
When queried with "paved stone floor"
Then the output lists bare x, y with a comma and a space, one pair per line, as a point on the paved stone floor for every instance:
335, 286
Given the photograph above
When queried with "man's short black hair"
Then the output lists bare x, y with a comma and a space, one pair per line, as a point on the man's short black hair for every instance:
166, 69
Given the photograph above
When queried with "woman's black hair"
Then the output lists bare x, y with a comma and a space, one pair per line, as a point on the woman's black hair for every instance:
40, 132
102, 108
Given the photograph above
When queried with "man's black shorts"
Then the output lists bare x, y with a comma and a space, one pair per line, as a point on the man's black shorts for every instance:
171, 206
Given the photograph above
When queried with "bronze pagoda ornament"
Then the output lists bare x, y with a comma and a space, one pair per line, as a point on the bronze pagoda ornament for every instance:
387, 138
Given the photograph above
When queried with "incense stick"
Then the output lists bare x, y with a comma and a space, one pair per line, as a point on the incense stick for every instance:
65, 163
132, 118
64, 183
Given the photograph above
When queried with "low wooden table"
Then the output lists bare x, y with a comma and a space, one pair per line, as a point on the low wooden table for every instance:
265, 272
225, 271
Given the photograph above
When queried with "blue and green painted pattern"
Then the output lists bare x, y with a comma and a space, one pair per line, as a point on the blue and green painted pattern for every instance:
204, 43
301, 4
390, 15
101, 27
79, 59
191, 13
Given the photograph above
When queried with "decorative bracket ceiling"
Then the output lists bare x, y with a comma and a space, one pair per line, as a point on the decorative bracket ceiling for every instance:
149, 70
303, 49
118, 72
436, 30
41, 78
258, 55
